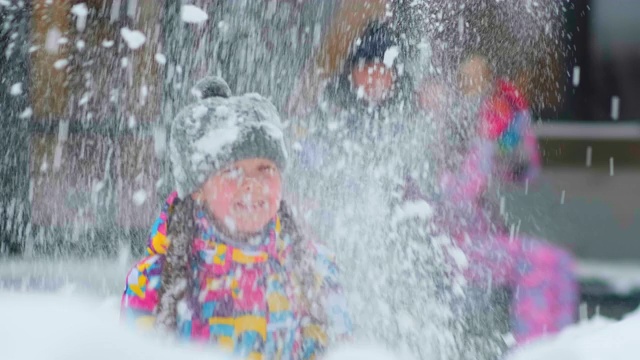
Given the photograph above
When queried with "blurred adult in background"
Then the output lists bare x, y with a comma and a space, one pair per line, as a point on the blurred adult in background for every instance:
348, 23
357, 123
372, 89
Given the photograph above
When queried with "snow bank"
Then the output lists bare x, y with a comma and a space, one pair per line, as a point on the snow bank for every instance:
63, 326
596, 339
40, 327
363, 352
102, 278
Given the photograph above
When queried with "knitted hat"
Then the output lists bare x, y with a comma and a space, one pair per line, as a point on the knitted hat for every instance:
220, 129
379, 43
376, 40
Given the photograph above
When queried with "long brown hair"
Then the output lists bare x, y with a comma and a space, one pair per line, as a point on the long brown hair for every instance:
176, 280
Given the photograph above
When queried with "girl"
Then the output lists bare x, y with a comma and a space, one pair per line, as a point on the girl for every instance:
539, 275
226, 263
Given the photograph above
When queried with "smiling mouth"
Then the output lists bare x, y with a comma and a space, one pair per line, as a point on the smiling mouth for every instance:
256, 206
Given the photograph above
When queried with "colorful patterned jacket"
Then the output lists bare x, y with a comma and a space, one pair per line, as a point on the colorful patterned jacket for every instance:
244, 298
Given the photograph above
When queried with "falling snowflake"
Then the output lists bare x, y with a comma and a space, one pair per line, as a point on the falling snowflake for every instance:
134, 38
192, 14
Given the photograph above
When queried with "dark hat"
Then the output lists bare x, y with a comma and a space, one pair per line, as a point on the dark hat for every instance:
374, 43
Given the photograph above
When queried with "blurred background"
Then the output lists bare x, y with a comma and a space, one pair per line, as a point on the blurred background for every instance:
84, 120
590, 194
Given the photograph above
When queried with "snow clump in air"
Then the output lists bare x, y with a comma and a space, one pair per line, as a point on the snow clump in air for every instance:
192, 14
133, 38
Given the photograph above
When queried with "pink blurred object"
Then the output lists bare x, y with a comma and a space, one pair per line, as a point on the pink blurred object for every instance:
541, 275
498, 112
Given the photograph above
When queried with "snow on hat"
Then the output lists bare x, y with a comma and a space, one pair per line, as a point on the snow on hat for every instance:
376, 40
220, 129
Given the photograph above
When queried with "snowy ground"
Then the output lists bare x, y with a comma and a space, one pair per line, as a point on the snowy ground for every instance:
70, 310
61, 325
65, 325
96, 277
596, 339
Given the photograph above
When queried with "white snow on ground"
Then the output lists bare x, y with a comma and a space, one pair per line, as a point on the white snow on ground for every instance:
63, 326
133, 38
59, 326
621, 278
192, 14
364, 352
70, 310
596, 339
99, 277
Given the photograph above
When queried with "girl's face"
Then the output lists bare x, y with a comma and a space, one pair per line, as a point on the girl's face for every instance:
376, 80
474, 76
244, 196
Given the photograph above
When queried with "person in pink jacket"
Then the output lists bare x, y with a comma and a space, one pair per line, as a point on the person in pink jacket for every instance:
539, 275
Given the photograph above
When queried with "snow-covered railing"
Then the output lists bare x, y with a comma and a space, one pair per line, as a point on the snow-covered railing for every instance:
588, 130
620, 278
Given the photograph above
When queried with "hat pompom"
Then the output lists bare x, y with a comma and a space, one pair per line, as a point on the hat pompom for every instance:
211, 86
